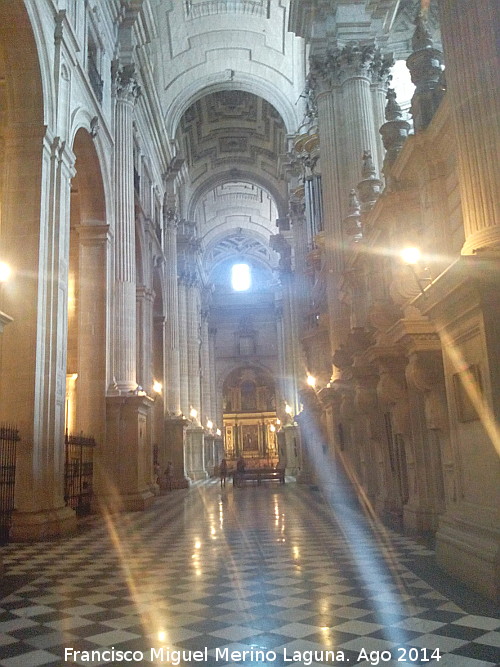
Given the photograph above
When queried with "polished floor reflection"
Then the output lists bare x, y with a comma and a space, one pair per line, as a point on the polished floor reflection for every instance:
257, 575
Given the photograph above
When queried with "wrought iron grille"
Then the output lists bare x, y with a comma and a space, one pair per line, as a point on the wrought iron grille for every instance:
78, 474
8, 438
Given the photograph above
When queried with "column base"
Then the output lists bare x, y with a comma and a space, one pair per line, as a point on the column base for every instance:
124, 465
197, 475
195, 447
306, 477
419, 520
136, 502
37, 526
471, 553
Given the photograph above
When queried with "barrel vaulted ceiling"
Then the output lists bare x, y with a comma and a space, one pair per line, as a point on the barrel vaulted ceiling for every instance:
206, 46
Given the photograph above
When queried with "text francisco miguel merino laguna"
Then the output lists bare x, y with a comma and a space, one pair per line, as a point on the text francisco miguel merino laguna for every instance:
177, 657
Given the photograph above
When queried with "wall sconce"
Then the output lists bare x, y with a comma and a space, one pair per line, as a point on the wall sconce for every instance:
218, 432
210, 424
193, 413
411, 257
157, 387
288, 409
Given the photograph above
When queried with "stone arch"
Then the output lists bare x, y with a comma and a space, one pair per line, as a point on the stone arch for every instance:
245, 82
86, 377
22, 133
252, 176
260, 260
83, 120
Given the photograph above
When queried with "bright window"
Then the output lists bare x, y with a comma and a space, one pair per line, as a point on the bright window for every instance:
240, 277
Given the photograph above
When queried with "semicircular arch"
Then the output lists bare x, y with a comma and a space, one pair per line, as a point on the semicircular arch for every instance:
237, 174
245, 82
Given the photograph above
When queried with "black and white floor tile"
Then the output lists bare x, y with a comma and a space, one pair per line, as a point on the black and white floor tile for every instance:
270, 573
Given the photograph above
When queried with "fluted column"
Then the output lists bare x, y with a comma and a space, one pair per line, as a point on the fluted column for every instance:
145, 299
193, 344
172, 349
93, 243
35, 240
124, 331
206, 394
183, 348
216, 399
470, 37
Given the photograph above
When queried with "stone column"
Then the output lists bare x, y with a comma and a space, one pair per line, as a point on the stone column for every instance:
93, 295
193, 344
172, 386
348, 126
124, 329
125, 474
183, 349
145, 299
360, 132
215, 398
208, 411
470, 38
35, 243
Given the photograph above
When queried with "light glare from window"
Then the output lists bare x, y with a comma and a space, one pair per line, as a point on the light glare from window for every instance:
240, 277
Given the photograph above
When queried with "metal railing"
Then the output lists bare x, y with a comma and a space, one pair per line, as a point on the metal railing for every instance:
9, 436
78, 473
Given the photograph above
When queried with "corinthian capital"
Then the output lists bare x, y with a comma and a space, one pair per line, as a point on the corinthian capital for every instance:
126, 84
338, 64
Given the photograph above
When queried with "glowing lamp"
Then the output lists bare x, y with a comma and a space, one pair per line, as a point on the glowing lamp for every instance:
410, 255
5, 272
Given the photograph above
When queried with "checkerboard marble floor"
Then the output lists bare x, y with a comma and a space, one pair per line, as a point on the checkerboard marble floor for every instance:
270, 570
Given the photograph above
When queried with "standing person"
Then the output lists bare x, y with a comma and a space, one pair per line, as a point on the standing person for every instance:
223, 472
169, 473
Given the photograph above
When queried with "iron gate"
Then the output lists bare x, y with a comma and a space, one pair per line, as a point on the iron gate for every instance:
8, 438
78, 473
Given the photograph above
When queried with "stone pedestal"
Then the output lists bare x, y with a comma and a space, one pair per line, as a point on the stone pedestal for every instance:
42, 524
176, 450
210, 460
288, 448
123, 466
308, 444
195, 457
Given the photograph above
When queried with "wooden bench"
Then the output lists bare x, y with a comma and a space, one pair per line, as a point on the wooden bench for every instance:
258, 475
